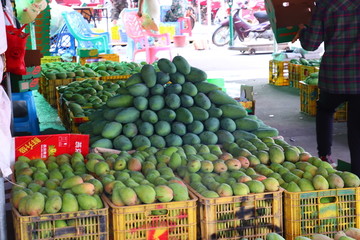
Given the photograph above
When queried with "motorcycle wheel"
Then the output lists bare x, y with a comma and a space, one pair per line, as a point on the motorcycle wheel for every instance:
221, 36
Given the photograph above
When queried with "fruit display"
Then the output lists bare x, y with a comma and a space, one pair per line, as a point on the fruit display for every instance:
294, 168
63, 70
136, 178
312, 79
60, 184
306, 62
154, 112
347, 234
83, 97
110, 68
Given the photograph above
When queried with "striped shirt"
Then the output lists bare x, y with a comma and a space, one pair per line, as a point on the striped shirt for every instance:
337, 24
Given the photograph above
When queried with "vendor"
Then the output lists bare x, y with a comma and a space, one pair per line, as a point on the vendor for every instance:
117, 7
176, 11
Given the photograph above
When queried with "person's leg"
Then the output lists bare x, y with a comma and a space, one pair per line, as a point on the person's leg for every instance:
326, 106
353, 126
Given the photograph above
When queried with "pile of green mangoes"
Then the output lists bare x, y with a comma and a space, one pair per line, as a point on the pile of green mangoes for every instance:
110, 68
312, 79
58, 185
63, 70
170, 107
88, 94
132, 178
306, 62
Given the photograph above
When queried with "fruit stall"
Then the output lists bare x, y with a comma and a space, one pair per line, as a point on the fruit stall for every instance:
156, 152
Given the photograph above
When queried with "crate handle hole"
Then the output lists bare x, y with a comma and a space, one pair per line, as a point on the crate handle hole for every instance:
326, 200
158, 212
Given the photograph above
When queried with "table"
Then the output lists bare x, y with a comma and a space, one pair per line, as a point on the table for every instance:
93, 13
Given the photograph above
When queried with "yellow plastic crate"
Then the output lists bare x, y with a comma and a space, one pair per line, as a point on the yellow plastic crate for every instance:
341, 114
309, 94
70, 122
114, 79
279, 73
48, 87
137, 223
48, 59
60, 103
91, 224
240, 217
102, 57
307, 214
74, 122
294, 74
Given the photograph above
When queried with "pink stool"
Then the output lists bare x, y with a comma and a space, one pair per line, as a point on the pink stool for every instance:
185, 25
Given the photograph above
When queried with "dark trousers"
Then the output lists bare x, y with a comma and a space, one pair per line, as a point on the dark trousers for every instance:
326, 106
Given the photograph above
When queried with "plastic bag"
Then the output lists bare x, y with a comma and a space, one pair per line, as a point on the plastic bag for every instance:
15, 53
5, 134
57, 20
27, 11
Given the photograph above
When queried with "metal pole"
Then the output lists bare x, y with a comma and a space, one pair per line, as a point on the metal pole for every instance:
231, 28
2, 210
32, 35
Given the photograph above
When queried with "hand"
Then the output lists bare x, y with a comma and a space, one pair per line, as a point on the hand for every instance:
139, 13
296, 37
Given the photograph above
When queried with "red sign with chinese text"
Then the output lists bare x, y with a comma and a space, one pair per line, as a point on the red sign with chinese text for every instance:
43, 146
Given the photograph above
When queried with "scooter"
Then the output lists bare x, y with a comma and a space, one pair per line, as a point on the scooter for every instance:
243, 29
248, 13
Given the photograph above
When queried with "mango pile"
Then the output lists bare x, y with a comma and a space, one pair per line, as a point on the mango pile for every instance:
306, 62
310, 175
170, 107
347, 234
312, 79
131, 179
63, 70
110, 68
83, 97
58, 185
294, 168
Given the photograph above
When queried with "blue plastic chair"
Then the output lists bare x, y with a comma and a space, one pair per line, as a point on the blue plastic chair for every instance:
63, 42
82, 32
24, 111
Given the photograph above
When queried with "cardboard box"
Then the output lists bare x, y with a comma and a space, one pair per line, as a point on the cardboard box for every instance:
247, 98
33, 58
31, 72
286, 15
43, 146
87, 52
201, 44
25, 84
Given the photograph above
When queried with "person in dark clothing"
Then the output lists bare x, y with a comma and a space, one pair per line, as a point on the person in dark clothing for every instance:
337, 24
117, 7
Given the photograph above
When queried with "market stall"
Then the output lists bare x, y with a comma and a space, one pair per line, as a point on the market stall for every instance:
160, 151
